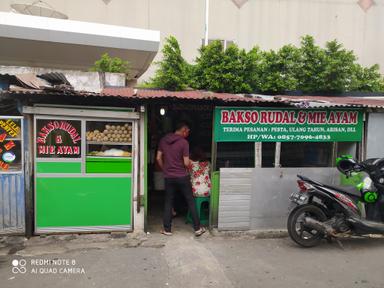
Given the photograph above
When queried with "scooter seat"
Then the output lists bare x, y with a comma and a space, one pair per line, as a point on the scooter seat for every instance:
349, 190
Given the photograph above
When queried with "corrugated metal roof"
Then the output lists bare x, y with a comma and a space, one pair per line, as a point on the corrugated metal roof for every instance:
127, 92
24, 91
149, 94
118, 91
197, 95
297, 101
55, 78
334, 101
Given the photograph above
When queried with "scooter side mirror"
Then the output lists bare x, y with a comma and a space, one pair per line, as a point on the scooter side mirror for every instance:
346, 166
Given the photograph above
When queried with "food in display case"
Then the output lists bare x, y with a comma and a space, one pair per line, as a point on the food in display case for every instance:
113, 152
109, 139
120, 133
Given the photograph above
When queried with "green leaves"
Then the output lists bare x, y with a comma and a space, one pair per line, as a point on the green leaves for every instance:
222, 70
367, 79
279, 70
111, 64
173, 72
308, 68
326, 70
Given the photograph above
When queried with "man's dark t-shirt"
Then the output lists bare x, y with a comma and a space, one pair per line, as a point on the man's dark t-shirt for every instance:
174, 147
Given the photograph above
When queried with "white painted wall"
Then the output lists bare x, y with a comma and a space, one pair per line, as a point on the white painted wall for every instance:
266, 23
375, 147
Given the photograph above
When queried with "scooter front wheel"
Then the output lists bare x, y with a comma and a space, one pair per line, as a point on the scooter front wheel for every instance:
299, 233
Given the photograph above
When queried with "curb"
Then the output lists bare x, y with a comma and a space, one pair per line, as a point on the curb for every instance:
252, 234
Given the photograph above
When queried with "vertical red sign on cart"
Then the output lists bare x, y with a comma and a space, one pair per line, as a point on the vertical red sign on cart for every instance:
10, 147
58, 138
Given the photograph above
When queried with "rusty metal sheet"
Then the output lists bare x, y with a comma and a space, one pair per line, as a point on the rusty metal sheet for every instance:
12, 205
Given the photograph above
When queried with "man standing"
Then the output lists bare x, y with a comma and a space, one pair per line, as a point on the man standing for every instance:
173, 158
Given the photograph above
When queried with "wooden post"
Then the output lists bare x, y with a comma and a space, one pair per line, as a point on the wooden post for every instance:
28, 135
214, 144
213, 206
334, 154
144, 162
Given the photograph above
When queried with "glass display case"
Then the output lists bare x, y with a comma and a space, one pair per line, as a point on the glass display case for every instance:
109, 139
108, 147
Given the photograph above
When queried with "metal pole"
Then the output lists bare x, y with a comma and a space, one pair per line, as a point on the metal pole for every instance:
277, 154
206, 22
258, 154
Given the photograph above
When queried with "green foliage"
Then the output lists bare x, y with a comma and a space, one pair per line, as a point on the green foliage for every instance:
252, 68
326, 70
308, 68
222, 70
279, 70
312, 66
205, 74
173, 69
367, 79
146, 85
111, 64
339, 67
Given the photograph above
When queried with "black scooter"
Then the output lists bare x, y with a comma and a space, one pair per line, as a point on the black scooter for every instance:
328, 212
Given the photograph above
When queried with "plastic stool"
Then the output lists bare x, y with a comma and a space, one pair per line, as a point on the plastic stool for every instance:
202, 208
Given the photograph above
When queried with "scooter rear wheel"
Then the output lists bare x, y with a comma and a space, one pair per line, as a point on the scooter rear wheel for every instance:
305, 236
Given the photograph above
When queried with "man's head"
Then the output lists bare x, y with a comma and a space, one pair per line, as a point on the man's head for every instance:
182, 129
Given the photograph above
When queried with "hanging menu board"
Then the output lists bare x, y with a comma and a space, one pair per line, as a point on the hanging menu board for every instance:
10, 145
58, 138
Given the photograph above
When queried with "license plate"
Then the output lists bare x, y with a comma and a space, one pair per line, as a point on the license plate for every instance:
298, 198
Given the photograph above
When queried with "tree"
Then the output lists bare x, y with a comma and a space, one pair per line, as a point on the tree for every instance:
111, 64
252, 68
332, 69
207, 67
312, 66
222, 70
279, 69
367, 79
339, 68
308, 68
172, 73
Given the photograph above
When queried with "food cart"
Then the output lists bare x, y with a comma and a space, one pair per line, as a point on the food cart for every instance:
85, 169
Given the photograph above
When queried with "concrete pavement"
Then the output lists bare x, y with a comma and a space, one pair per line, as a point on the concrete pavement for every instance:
138, 260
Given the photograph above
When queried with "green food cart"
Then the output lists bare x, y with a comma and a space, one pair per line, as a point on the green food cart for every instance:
85, 169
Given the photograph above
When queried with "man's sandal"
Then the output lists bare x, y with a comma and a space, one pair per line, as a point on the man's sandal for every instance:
200, 232
166, 233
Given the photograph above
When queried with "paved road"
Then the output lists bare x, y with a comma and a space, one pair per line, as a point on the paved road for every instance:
184, 261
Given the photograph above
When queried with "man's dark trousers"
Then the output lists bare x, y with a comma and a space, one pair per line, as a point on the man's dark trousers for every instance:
177, 185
